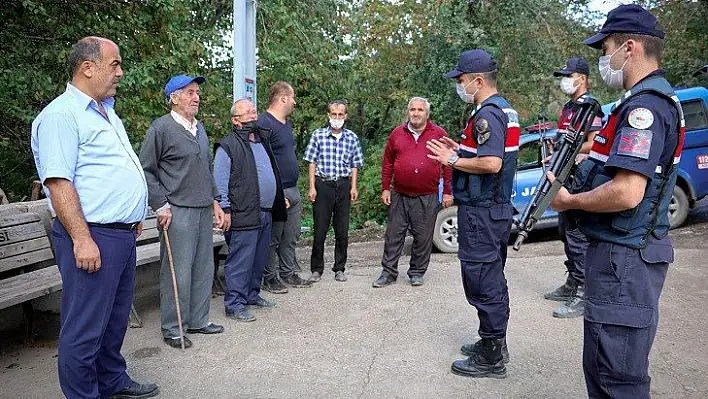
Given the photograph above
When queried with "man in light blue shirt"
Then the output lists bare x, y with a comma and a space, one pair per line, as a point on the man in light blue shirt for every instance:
96, 188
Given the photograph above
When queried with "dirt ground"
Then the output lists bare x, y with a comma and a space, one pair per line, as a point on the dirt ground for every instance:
351, 340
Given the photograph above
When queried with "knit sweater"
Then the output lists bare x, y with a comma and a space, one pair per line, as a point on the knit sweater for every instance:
177, 165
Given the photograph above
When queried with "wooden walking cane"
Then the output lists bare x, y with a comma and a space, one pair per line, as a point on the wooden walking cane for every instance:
174, 285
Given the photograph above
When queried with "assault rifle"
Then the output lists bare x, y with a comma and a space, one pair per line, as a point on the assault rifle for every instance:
585, 110
542, 130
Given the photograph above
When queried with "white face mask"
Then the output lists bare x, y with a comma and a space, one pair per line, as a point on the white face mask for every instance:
613, 78
336, 124
462, 92
567, 84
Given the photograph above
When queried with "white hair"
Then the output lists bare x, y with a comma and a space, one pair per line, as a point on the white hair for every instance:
424, 100
175, 93
233, 107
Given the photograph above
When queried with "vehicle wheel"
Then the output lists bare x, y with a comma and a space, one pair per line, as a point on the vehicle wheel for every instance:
445, 235
678, 207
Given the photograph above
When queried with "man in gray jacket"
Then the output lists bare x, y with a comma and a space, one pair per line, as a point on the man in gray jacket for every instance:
181, 190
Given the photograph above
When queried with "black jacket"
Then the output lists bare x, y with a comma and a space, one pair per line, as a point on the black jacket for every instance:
244, 194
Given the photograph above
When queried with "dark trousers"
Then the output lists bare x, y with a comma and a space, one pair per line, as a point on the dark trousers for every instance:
332, 203
623, 286
483, 236
416, 213
282, 261
575, 246
94, 313
243, 270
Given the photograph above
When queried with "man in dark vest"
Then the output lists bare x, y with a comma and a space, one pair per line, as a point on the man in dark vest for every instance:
483, 165
574, 82
252, 198
624, 190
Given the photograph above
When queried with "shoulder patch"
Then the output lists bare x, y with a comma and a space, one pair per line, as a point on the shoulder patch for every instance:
602, 140
640, 118
481, 130
634, 142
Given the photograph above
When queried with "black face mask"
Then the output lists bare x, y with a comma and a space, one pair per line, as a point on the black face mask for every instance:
251, 126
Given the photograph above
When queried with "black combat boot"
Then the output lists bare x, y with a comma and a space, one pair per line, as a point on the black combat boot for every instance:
564, 292
487, 363
573, 307
470, 349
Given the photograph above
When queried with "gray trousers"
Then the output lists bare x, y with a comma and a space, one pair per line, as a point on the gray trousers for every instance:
417, 214
190, 235
283, 240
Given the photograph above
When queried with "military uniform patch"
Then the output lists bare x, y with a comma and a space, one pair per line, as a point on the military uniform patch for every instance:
635, 143
600, 139
640, 118
481, 128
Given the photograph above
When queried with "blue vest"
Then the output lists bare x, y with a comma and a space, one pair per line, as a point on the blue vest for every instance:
633, 227
487, 190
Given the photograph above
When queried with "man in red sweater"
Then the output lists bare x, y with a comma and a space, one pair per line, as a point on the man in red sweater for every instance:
413, 202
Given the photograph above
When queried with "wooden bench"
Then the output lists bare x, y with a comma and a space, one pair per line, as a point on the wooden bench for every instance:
28, 269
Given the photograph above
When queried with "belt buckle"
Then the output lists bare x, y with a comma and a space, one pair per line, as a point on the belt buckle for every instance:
134, 226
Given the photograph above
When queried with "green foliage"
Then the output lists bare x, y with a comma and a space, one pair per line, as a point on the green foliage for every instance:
375, 54
157, 38
369, 205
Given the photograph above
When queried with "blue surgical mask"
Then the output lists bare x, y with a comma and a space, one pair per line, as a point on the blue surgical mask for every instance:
612, 77
462, 93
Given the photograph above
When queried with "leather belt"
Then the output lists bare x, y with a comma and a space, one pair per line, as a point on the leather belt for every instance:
333, 179
116, 226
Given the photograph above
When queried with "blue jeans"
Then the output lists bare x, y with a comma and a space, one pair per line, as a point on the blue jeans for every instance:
248, 254
94, 313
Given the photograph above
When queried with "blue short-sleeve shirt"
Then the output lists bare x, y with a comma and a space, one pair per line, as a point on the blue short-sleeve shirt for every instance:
72, 140
646, 124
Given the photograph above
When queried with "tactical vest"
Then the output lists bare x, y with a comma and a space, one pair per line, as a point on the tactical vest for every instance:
486, 190
633, 227
567, 114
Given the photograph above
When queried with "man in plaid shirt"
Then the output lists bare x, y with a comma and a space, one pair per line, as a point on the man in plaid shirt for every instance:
335, 157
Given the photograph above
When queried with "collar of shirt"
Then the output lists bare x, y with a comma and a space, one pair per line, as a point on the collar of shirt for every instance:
190, 126
572, 101
87, 101
416, 133
342, 132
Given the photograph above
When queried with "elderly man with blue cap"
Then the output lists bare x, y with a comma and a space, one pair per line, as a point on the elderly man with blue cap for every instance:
624, 190
483, 165
181, 189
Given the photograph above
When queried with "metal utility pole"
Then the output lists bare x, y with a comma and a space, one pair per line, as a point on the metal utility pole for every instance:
244, 51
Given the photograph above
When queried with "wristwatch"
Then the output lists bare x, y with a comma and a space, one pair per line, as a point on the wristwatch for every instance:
451, 161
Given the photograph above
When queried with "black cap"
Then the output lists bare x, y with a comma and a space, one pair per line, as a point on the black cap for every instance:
574, 64
629, 18
473, 61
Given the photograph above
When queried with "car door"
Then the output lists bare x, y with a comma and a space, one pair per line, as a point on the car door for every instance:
528, 173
